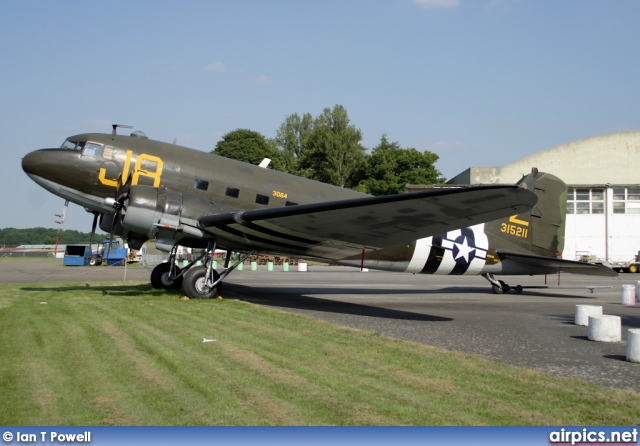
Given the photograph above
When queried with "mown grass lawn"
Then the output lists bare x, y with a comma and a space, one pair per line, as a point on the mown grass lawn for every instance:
113, 354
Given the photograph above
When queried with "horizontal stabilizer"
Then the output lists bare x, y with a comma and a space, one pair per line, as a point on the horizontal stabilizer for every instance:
548, 265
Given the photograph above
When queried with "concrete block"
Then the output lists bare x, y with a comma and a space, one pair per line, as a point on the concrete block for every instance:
584, 311
633, 345
605, 328
628, 295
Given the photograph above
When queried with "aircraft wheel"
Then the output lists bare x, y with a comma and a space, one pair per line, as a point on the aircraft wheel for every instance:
497, 289
519, 289
194, 284
505, 287
160, 278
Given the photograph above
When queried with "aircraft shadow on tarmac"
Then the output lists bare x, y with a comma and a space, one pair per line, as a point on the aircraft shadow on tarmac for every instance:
297, 298
547, 292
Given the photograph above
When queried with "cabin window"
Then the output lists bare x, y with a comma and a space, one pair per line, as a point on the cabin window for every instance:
262, 199
232, 192
201, 184
91, 149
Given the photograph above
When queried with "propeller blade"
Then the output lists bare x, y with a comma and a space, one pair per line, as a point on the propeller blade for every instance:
113, 227
122, 195
93, 230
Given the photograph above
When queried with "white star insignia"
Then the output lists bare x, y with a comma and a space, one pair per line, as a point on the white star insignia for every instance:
464, 250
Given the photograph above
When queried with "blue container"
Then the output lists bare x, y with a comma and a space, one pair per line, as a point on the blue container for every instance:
77, 255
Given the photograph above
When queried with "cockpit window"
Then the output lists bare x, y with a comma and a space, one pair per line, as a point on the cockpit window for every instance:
91, 149
73, 145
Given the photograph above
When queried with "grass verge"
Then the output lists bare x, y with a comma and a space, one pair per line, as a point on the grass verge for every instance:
105, 354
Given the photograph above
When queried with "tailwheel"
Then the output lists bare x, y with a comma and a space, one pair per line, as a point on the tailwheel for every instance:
498, 286
161, 277
197, 285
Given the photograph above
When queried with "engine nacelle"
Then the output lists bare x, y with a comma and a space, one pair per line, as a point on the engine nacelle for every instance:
166, 213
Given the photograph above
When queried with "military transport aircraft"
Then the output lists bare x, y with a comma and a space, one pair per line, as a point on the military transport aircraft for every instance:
143, 189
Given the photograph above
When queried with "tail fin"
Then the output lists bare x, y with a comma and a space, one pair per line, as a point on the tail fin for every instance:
539, 231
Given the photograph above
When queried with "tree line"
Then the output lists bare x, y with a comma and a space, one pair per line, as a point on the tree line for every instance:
12, 237
328, 148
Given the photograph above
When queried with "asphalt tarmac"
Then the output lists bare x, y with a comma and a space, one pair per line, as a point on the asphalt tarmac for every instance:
534, 329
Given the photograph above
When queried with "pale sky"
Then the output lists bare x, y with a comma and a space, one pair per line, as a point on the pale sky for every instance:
478, 82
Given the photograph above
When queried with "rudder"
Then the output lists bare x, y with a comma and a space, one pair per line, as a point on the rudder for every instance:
541, 230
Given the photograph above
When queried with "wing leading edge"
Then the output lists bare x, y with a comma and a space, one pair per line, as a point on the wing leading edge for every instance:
339, 228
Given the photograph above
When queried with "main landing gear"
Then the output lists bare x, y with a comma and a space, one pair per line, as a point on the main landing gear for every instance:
196, 281
499, 287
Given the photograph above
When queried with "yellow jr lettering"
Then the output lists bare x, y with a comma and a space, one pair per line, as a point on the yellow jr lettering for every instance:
138, 170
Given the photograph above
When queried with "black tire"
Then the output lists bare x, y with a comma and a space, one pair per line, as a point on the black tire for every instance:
193, 284
497, 289
160, 277
92, 261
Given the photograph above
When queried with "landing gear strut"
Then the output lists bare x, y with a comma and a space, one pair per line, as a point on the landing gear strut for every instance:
204, 282
499, 287
197, 282
168, 275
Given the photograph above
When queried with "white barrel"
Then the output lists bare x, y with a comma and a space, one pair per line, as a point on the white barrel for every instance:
633, 345
628, 295
302, 266
584, 311
605, 328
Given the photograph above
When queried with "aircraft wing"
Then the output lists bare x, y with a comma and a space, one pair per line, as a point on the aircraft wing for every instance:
553, 265
339, 228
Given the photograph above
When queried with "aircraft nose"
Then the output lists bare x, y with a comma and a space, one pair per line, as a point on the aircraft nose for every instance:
36, 162
31, 162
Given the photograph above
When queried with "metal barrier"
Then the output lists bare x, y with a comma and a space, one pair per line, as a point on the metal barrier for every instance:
153, 259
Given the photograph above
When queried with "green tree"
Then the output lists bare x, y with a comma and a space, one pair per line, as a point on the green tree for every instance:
332, 152
250, 147
12, 237
291, 138
390, 168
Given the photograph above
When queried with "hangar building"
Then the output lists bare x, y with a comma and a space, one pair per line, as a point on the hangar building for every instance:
603, 202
